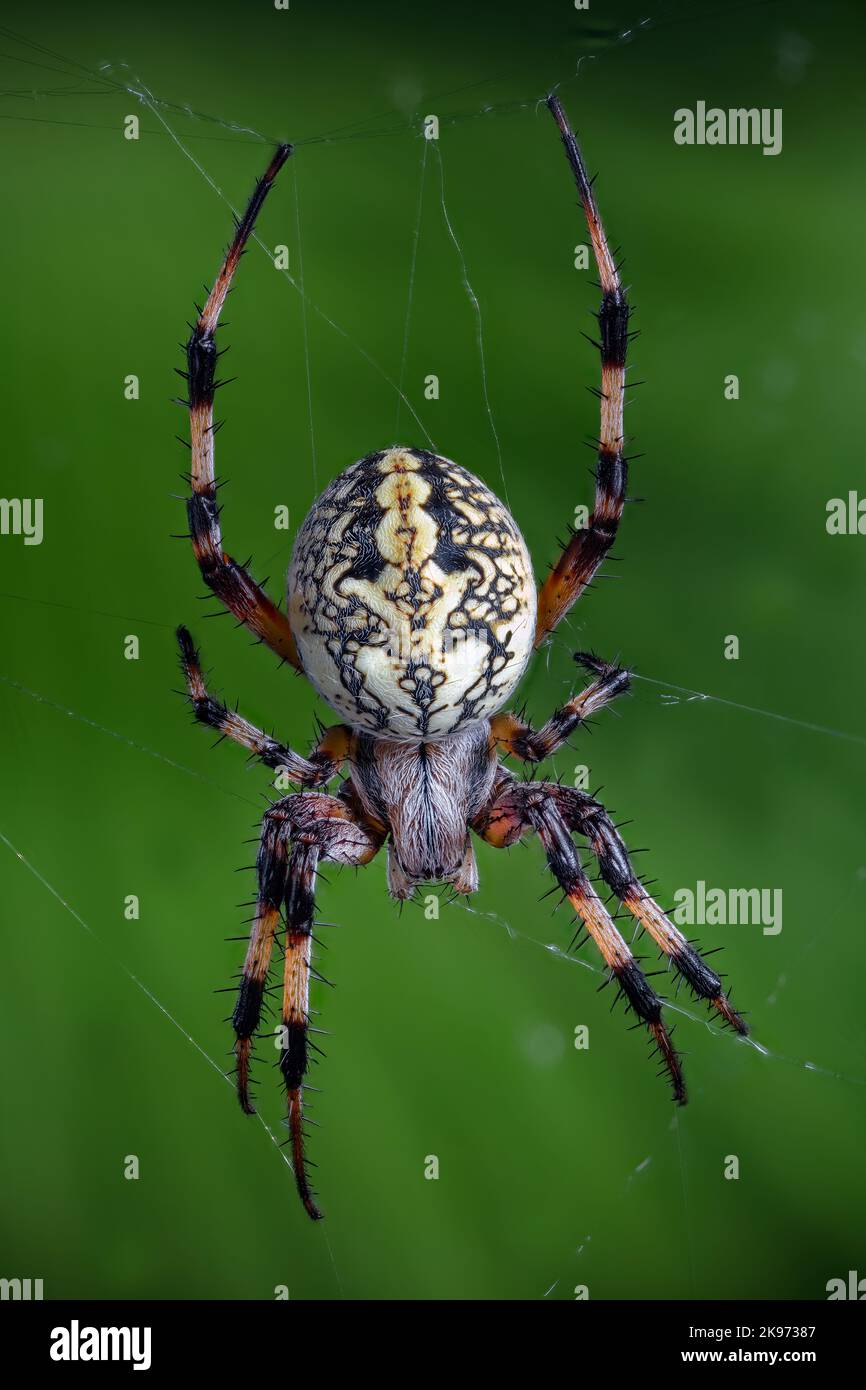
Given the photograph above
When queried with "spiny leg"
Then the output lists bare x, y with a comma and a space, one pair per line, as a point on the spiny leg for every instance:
229, 581
587, 548
589, 818
518, 739
323, 763
517, 807
294, 1053
318, 827
271, 873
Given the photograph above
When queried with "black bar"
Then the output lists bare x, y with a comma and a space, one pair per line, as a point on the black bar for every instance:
636, 1337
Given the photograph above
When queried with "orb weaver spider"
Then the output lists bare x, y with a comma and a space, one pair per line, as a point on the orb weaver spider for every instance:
412, 610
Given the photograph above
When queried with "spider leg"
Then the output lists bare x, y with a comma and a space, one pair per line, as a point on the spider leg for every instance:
231, 583
271, 872
589, 818
323, 763
517, 738
294, 1053
587, 548
297, 833
518, 807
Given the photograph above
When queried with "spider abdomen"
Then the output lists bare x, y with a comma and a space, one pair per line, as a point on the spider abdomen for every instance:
411, 596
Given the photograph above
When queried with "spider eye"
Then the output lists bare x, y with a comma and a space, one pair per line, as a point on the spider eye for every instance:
411, 596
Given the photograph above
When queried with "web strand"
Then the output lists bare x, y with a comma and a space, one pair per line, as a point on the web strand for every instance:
479, 323
139, 984
306, 331
401, 378
753, 709
695, 695
121, 738
671, 1005
145, 97
605, 44
166, 1013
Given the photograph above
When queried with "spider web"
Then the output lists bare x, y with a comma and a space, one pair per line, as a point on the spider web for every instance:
183, 128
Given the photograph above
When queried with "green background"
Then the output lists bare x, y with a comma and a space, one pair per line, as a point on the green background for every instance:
454, 1037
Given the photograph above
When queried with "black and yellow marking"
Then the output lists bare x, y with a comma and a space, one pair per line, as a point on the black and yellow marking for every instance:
411, 594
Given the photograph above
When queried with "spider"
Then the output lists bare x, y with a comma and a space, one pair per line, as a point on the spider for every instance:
412, 609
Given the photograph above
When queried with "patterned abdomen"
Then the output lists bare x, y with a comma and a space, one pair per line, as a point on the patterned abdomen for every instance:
411, 596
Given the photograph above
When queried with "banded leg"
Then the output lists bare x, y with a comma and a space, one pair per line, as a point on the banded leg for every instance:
271, 872
323, 763
516, 738
294, 1051
521, 806
230, 582
587, 548
590, 819
316, 827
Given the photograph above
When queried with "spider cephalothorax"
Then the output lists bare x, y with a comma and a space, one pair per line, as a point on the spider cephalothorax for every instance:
412, 610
